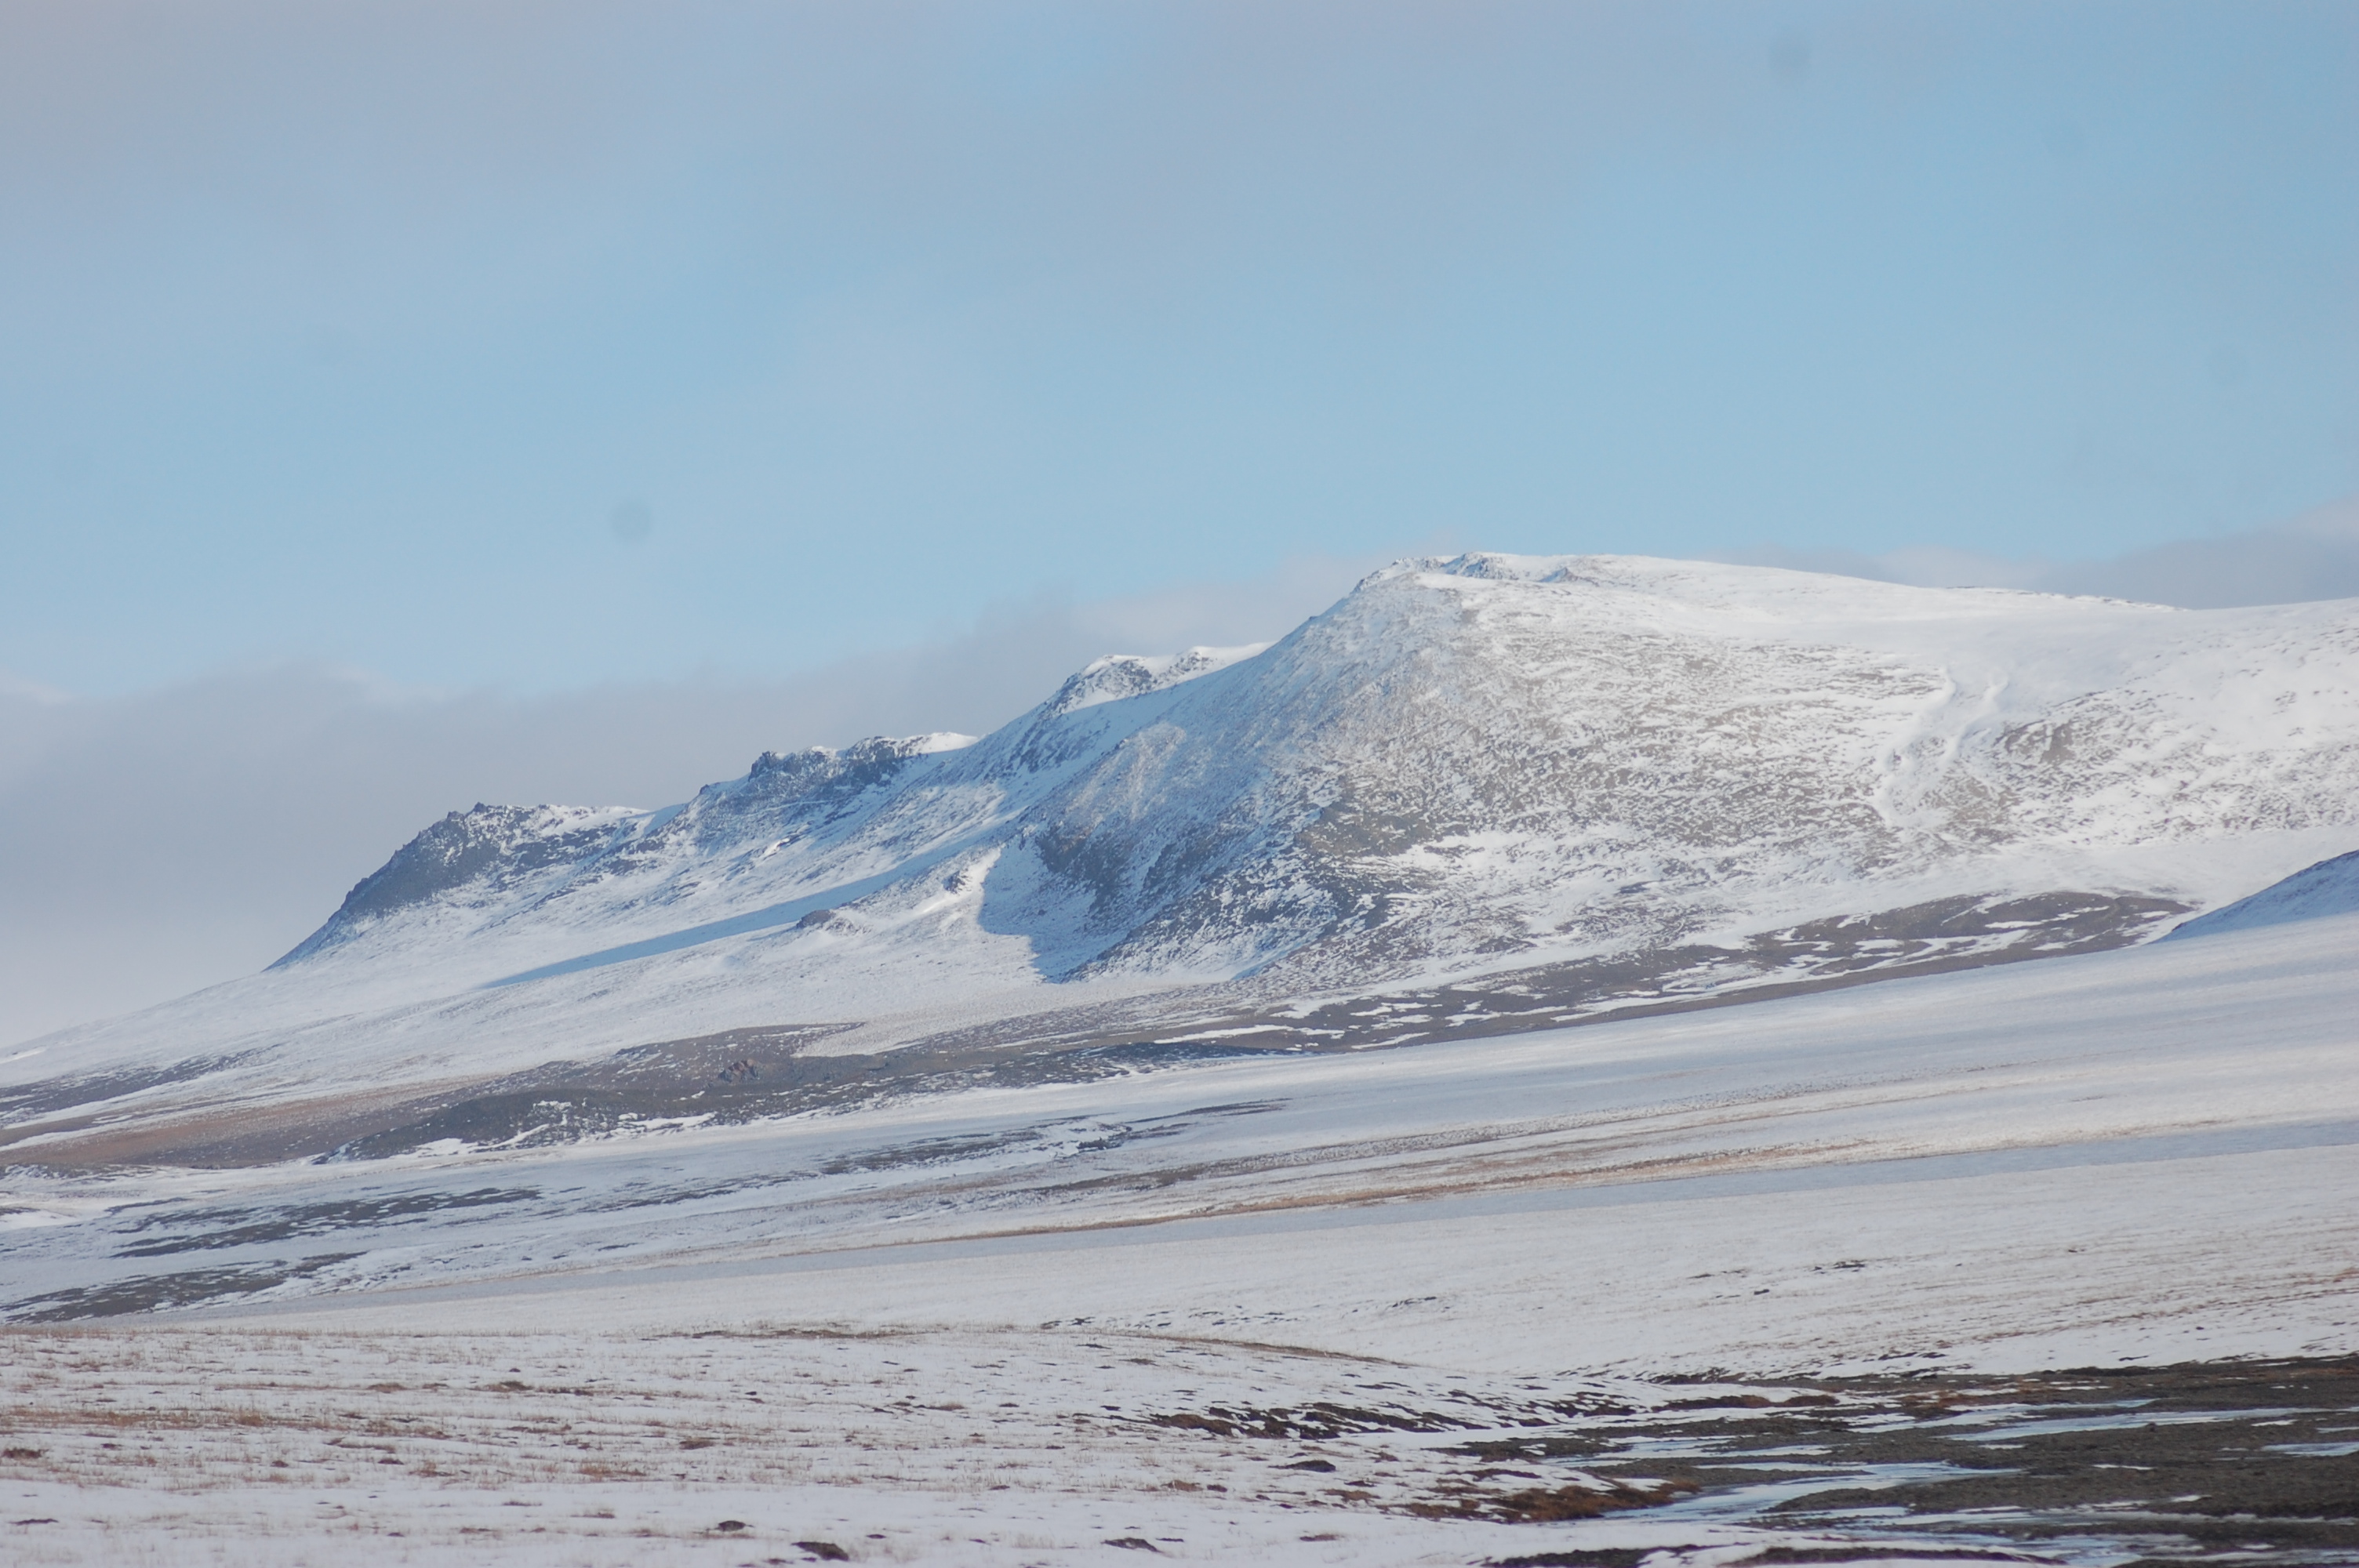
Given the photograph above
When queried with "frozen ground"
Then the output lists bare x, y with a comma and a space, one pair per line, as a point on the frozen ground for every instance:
232, 1445
965, 1447
879, 1314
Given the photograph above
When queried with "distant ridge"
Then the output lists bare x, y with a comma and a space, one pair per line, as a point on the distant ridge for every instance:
2330, 887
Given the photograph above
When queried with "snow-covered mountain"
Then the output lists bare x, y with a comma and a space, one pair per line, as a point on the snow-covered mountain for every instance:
1477, 796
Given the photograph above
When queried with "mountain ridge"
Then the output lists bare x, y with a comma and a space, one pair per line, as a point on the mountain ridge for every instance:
1124, 840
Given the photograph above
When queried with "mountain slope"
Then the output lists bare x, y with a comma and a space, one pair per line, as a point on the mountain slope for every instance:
1476, 796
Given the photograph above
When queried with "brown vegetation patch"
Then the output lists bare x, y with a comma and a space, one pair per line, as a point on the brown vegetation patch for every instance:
1553, 1504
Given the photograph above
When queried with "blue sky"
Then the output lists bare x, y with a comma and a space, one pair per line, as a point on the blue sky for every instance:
408, 405
539, 345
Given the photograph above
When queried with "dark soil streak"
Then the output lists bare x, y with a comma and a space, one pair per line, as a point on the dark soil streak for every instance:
2183, 1461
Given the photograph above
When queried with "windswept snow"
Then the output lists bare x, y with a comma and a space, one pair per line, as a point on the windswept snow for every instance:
1619, 1196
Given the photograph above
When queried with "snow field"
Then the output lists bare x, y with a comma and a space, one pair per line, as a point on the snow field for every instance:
2012, 1163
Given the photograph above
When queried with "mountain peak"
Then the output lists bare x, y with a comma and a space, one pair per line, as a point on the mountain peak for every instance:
1118, 676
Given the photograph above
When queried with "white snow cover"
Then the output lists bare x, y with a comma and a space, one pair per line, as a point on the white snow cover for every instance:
2204, 1097
1119, 676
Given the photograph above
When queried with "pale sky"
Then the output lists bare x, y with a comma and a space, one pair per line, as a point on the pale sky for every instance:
539, 344
409, 404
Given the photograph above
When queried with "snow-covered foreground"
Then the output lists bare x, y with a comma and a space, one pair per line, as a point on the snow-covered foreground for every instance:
246, 1447
2130, 1158
237, 1447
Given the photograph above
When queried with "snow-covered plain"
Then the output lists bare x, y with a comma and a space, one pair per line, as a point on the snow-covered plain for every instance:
881, 1317
1983, 1152
231, 1446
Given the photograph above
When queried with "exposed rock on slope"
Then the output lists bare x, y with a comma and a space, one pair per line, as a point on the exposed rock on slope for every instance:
469, 857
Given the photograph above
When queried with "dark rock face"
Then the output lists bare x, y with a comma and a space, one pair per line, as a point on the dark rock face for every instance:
862, 765
459, 848
492, 845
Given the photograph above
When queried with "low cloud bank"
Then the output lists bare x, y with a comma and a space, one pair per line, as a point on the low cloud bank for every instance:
2315, 556
156, 843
